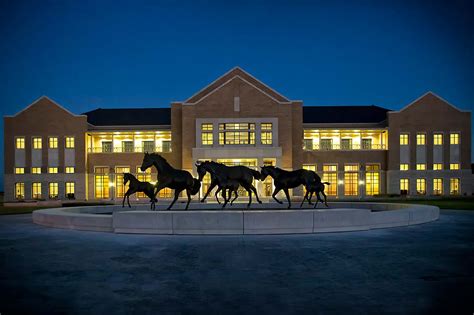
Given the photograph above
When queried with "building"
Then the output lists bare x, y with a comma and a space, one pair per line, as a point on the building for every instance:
423, 149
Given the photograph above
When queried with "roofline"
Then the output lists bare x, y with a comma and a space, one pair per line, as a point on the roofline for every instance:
186, 102
347, 125
436, 95
52, 101
105, 127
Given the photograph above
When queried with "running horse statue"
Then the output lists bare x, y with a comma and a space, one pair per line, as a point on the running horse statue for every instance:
239, 173
315, 188
284, 180
138, 186
170, 177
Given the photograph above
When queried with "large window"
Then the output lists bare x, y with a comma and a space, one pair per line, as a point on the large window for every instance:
120, 188
351, 179
36, 191
20, 191
101, 181
207, 136
70, 189
53, 190
454, 188
20, 142
438, 139
372, 179
325, 144
437, 186
37, 143
53, 142
143, 177
366, 144
421, 186
237, 133
266, 133
420, 139
454, 138
403, 139
330, 175
404, 186
69, 142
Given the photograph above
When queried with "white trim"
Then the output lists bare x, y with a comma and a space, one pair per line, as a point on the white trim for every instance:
435, 95
39, 99
225, 83
228, 72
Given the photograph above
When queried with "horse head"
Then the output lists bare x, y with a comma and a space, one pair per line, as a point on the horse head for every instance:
126, 178
266, 170
147, 162
201, 170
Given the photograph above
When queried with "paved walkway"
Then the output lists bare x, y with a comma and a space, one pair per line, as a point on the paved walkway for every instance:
419, 269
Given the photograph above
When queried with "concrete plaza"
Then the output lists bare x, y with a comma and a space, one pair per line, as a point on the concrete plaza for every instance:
426, 268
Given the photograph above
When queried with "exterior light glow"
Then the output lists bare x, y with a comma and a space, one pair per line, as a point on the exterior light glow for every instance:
340, 182
111, 184
361, 182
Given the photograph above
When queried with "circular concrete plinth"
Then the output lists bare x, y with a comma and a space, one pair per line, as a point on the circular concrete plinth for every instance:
262, 219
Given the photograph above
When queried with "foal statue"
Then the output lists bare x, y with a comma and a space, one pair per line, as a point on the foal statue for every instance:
138, 186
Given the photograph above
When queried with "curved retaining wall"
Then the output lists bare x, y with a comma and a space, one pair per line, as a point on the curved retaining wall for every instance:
346, 217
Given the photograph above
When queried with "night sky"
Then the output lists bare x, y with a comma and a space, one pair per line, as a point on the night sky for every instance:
89, 54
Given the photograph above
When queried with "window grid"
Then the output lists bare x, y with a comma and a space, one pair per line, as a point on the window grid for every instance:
438, 139
52, 170
19, 170
37, 143
403, 167
36, 191
421, 167
70, 188
403, 139
454, 188
454, 166
421, 186
420, 139
69, 170
53, 190
454, 138
437, 166
404, 185
20, 191
36, 170
437, 186
20, 143
69, 142
53, 142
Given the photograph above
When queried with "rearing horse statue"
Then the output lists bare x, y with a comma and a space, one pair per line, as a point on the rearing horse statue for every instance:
170, 177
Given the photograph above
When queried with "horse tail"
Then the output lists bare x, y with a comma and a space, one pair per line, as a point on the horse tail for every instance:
327, 183
195, 187
256, 174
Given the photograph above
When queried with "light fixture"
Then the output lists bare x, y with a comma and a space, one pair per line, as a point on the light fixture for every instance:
361, 182
340, 182
111, 184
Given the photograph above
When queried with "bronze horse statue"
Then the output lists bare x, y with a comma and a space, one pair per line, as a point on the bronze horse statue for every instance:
284, 180
242, 174
315, 188
170, 177
138, 186
223, 184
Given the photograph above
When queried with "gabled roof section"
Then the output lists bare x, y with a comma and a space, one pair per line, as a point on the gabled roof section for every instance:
344, 114
236, 72
43, 99
427, 96
129, 116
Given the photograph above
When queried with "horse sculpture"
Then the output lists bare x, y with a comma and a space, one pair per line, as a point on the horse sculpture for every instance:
223, 184
170, 177
284, 180
315, 188
138, 186
242, 174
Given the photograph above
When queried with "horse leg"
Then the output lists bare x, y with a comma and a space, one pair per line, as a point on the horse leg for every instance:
219, 188
176, 194
188, 193
247, 188
276, 191
255, 192
224, 195
287, 197
325, 199
305, 197
211, 187
236, 195
310, 196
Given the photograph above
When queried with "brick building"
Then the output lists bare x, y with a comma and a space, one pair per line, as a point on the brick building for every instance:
423, 149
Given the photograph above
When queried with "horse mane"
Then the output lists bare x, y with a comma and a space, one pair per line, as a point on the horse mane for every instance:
165, 162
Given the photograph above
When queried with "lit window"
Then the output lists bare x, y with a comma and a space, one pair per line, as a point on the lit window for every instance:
69, 142
404, 167
207, 127
372, 179
420, 167
53, 142
454, 166
421, 186
52, 170
20, 143
207, 138
403, 139
454, 138
19, 170
437, 186
266, 134
454, 188
330, 175
36, 191
437, 166
120, 188
404, 186
237, 133
101, 181
53, 190
36, 170
20, 191
351, 180
70, 189
438, 139
420, 139
69, 170
37, 143
309, 167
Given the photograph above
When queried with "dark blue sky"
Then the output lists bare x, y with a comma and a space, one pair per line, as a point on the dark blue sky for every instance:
88, 54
